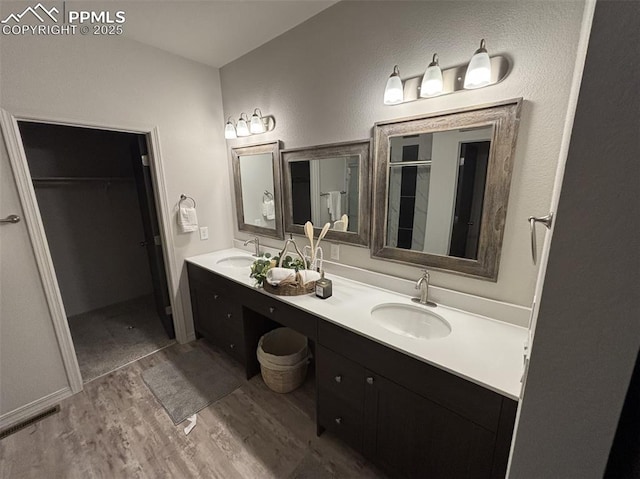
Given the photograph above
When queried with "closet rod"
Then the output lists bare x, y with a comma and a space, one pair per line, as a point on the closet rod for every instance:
78, 179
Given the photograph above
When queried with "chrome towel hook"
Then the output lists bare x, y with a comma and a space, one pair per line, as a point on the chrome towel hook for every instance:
545, 220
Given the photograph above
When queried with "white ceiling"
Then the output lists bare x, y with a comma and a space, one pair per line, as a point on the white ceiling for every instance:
213, 32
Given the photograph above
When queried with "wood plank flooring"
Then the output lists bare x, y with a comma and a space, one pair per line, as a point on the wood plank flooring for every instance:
116, 428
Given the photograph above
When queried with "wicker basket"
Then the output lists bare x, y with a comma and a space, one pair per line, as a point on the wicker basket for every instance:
284, 356
290, 289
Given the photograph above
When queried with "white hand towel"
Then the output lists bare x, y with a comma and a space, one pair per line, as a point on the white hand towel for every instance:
334, 203
276, 275
270, 210
187, 220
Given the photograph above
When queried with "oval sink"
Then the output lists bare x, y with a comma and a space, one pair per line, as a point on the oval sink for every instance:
236, 261
411, 321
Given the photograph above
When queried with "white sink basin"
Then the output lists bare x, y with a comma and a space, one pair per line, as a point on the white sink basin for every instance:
411, 321
239, 261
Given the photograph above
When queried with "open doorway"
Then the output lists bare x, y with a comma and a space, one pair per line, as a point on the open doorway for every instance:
95, 196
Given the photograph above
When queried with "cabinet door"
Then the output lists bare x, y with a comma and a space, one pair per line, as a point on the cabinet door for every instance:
417, 438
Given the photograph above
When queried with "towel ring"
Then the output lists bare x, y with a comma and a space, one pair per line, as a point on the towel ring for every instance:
184, 197
267, 194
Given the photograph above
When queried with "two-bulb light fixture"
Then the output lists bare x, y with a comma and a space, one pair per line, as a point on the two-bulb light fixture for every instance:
246, 126
478, 74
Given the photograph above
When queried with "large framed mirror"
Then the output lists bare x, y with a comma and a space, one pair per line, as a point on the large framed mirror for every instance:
329, 184
441, 188
257, 184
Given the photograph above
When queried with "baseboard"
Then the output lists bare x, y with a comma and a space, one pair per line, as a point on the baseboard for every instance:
33, 408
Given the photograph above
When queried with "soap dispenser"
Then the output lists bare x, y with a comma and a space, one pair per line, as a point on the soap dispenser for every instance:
324, 287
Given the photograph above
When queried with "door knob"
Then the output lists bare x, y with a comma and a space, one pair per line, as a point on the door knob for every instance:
370, 380
11, 219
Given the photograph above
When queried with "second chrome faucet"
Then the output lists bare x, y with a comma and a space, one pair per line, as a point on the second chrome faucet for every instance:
423, 285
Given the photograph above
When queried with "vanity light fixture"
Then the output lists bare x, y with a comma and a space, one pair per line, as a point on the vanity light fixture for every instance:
230, 130
257, 125
394, 93
479, 69
242, 128
432, 80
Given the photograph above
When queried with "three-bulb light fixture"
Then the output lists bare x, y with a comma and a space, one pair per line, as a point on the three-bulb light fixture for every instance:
478, 74
246, 126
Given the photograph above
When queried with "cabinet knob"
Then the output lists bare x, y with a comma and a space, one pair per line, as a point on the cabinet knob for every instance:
338, 378
229, 315
370, 380
272, 309
232, 346
215, 296
338, 420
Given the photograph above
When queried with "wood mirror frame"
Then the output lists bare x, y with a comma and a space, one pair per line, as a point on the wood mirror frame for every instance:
274, 149
505, 118
362, 149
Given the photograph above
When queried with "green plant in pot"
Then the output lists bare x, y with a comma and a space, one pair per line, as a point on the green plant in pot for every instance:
260, 266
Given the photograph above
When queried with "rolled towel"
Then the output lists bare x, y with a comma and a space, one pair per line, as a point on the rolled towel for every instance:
187, 220
275, 276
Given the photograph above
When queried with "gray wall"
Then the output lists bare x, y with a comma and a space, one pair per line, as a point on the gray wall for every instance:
323, 81
588, 330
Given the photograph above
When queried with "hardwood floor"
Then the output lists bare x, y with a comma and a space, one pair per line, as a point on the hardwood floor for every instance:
116, 428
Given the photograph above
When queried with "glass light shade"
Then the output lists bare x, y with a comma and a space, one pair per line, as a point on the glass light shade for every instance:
230, 130
432, 80
256, 125
479, 69
242, 128
394, 93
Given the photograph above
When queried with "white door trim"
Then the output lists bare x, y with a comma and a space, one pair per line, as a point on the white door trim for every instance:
35, 229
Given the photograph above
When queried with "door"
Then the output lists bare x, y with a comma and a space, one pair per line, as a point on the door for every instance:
419, 438
31, 362
152, 238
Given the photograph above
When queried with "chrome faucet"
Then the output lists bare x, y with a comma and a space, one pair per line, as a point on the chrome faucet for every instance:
256, 242
423, 285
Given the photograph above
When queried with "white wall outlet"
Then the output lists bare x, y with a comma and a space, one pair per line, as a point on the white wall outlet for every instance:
204, 233
335, 251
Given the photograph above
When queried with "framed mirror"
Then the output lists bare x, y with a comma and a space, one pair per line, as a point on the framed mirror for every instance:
441, 188
328, 183
256, 178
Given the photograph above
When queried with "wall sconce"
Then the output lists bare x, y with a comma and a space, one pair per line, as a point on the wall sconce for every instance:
432, 80
230, 130
481, 71
245, 127
242, 129
393, 93
257, 125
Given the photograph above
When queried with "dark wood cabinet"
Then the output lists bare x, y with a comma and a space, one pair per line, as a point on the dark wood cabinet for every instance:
413, 419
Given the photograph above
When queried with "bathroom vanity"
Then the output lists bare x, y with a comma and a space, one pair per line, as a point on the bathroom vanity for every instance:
417, 407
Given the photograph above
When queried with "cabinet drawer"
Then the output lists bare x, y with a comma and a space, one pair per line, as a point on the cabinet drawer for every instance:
232, 342
213, 282
340, 376
282, 313
341, 417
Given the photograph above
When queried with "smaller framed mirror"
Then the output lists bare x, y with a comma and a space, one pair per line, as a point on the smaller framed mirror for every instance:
257, 184
442, 186
328, 184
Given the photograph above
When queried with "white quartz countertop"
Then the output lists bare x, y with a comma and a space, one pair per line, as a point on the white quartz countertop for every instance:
479, 349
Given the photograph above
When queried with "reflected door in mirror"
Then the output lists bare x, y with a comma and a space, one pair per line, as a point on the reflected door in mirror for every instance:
436, 191
325, 191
